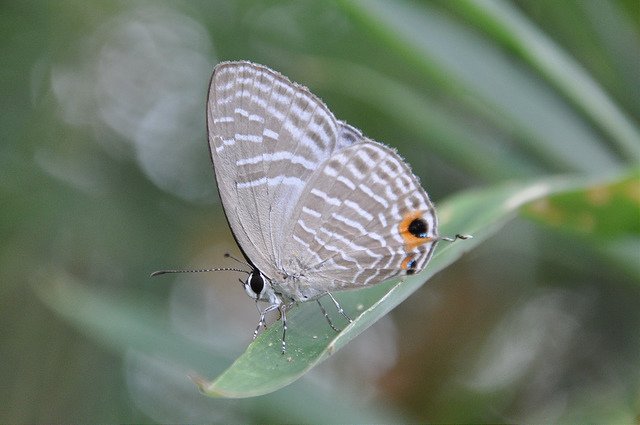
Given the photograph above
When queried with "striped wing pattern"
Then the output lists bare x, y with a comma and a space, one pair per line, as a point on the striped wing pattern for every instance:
347, 230
267, 137
313, 204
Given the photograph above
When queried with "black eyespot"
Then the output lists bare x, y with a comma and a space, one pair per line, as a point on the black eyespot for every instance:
256, 282
411, 267
418, 228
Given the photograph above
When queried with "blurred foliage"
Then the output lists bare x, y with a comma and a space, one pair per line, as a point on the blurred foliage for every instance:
104, 177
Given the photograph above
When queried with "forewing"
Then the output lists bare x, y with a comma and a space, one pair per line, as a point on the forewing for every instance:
267, 136
363, 219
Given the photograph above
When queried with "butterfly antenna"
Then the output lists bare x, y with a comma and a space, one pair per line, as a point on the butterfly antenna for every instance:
224, 269
244, 263
448, 239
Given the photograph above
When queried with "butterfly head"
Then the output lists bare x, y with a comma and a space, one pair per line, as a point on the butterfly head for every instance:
258, 287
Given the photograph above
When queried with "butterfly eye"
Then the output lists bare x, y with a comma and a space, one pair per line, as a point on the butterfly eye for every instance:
256, 283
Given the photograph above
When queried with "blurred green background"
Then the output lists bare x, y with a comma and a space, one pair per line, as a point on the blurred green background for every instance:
105, 177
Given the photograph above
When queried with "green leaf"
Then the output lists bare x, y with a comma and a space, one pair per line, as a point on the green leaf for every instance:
605, 211
263, 369
606, 215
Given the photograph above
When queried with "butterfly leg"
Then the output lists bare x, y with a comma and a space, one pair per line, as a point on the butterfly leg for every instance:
260, 324
262, 321
340, 310
326, 316
261, 318
283, 313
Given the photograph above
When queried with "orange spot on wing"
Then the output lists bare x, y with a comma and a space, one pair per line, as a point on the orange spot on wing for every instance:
405, 263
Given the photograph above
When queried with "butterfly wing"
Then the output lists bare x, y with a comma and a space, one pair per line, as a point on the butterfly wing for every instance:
363, 219
267, 137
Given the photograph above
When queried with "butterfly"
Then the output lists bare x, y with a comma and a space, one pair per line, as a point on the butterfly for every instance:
313, 204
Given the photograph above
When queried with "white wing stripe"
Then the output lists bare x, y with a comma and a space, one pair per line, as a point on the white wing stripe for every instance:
274, 181
328, 199
279, 156
383, 220
358, 209
250, 117
270, 134
253, 138
306, 228
354, 170
347, 182
353, 246
307, 246
377, 198
309, 211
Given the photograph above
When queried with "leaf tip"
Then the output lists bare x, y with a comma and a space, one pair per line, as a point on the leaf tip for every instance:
203, 385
